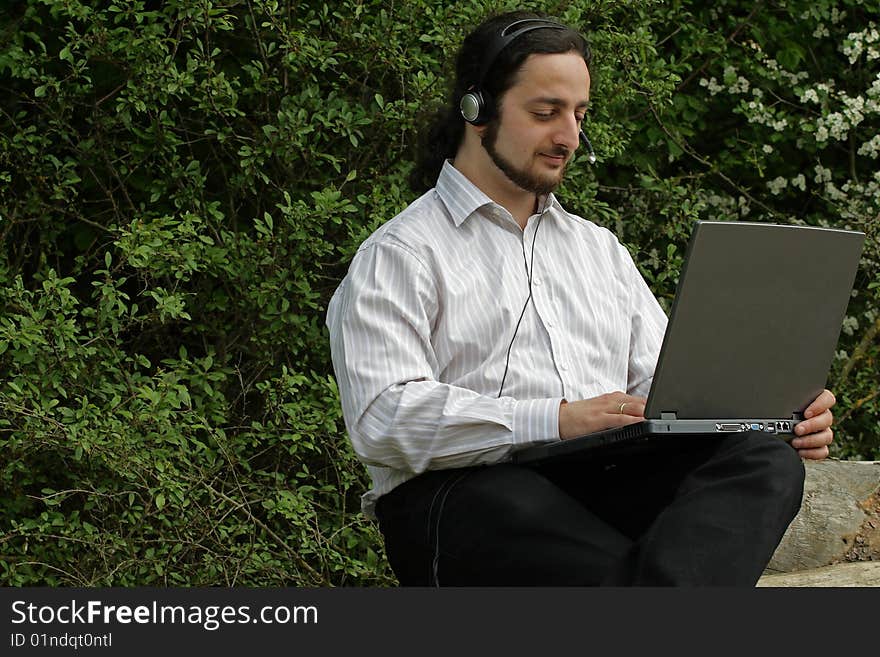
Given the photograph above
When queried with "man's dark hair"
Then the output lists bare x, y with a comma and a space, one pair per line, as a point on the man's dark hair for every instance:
444, 133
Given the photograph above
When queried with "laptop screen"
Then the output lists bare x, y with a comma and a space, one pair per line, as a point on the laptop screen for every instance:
755, 322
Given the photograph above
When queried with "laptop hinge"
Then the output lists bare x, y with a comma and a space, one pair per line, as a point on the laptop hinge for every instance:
668, 415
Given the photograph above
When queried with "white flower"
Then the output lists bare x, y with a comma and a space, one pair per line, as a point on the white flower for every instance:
811, 96
853, 104
799, 181
767, 148
837, 126
777, 185
853, 52
833, 192
871, 148
713, 86
856, 42
741, 86
823, 174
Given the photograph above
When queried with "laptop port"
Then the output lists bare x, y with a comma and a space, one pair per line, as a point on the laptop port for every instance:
730, 426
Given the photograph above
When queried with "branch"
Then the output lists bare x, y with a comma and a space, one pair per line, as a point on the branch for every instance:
859, 403
296, 557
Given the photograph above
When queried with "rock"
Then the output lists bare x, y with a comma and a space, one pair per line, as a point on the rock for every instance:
839, 520
839, 575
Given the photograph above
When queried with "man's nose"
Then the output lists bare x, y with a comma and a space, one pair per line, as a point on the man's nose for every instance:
568, 134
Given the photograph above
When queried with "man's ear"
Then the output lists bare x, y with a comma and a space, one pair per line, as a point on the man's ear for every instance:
476, 130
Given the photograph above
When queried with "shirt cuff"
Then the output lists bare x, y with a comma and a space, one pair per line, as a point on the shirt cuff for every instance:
536, 421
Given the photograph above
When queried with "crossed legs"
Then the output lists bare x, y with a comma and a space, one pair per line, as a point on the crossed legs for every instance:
709, 513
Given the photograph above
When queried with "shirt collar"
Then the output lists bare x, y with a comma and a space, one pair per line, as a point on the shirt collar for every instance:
547, 202
462, 198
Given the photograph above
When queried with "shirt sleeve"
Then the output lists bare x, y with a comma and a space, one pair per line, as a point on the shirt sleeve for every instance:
398, 414
648, 326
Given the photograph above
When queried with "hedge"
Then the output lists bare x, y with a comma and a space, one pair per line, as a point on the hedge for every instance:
183, 183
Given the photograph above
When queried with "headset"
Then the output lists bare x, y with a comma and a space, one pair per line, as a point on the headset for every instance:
477, 105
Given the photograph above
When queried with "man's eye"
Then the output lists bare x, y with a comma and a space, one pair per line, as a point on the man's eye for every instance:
543, 115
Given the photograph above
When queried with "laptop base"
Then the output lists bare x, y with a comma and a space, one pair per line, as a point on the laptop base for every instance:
651, 435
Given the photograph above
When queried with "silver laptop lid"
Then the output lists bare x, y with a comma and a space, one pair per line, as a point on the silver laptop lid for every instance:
755, 321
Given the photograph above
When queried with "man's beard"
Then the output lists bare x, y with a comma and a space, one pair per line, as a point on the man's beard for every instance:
523, 179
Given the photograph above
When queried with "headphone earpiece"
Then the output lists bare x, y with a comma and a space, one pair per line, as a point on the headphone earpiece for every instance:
476, 107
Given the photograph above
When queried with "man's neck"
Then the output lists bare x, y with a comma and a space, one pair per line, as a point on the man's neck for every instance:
483, 173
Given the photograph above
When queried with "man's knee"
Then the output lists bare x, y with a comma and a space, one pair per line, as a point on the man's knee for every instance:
780, 457
778, 466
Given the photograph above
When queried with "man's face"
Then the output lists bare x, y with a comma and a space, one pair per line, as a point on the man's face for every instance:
536, 131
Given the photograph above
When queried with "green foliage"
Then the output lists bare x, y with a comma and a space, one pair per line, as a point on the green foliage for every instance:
183, 183
176, 181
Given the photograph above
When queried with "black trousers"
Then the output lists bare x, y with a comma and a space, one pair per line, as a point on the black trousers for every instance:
701, 512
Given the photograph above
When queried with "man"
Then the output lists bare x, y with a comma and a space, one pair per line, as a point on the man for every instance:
484, 318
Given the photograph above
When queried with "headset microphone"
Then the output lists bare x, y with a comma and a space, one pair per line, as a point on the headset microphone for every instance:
591, 156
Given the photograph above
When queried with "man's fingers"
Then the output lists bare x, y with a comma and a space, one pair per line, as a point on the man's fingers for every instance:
623, 404
815, 424
822, 403
814, 454
622, 419
634, 409
814, 440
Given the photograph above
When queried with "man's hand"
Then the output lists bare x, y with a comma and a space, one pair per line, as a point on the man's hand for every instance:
616, 409
814, 434
611, 410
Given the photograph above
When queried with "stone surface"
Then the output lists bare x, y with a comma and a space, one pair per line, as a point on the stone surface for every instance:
865, 573
839, 520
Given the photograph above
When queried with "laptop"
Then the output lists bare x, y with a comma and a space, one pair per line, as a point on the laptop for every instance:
750, 340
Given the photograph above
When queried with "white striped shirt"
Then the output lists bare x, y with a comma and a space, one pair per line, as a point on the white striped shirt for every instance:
420, 328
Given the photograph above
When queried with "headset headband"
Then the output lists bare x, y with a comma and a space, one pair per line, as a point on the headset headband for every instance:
505, 38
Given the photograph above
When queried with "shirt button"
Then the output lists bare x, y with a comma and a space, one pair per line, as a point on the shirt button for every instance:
537, 281
563, 367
